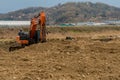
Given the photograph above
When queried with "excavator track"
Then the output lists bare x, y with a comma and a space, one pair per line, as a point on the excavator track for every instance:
15, 46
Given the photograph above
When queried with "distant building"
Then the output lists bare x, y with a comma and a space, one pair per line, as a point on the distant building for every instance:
67, 24
14, 23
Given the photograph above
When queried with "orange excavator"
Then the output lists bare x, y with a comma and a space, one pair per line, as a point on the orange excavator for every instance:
34, 35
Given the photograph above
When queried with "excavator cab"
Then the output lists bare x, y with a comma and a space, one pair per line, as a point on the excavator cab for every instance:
23, 38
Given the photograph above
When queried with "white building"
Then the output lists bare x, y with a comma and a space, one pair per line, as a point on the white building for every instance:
14, 23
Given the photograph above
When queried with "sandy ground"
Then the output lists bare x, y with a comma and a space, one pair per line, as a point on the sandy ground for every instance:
89, 56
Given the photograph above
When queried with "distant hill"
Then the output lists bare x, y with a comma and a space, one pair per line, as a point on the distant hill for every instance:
67, 13
22, 14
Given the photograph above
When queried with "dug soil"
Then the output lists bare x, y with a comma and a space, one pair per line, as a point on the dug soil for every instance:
93, 55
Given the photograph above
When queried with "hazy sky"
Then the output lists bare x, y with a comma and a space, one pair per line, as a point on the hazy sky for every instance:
11, 5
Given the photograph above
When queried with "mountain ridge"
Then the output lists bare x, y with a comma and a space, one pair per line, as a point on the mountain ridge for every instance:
70, 12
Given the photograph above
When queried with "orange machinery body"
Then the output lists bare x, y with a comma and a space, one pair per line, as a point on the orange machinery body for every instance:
41, 34
42, 24
33, 27
42, 18
24, 42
